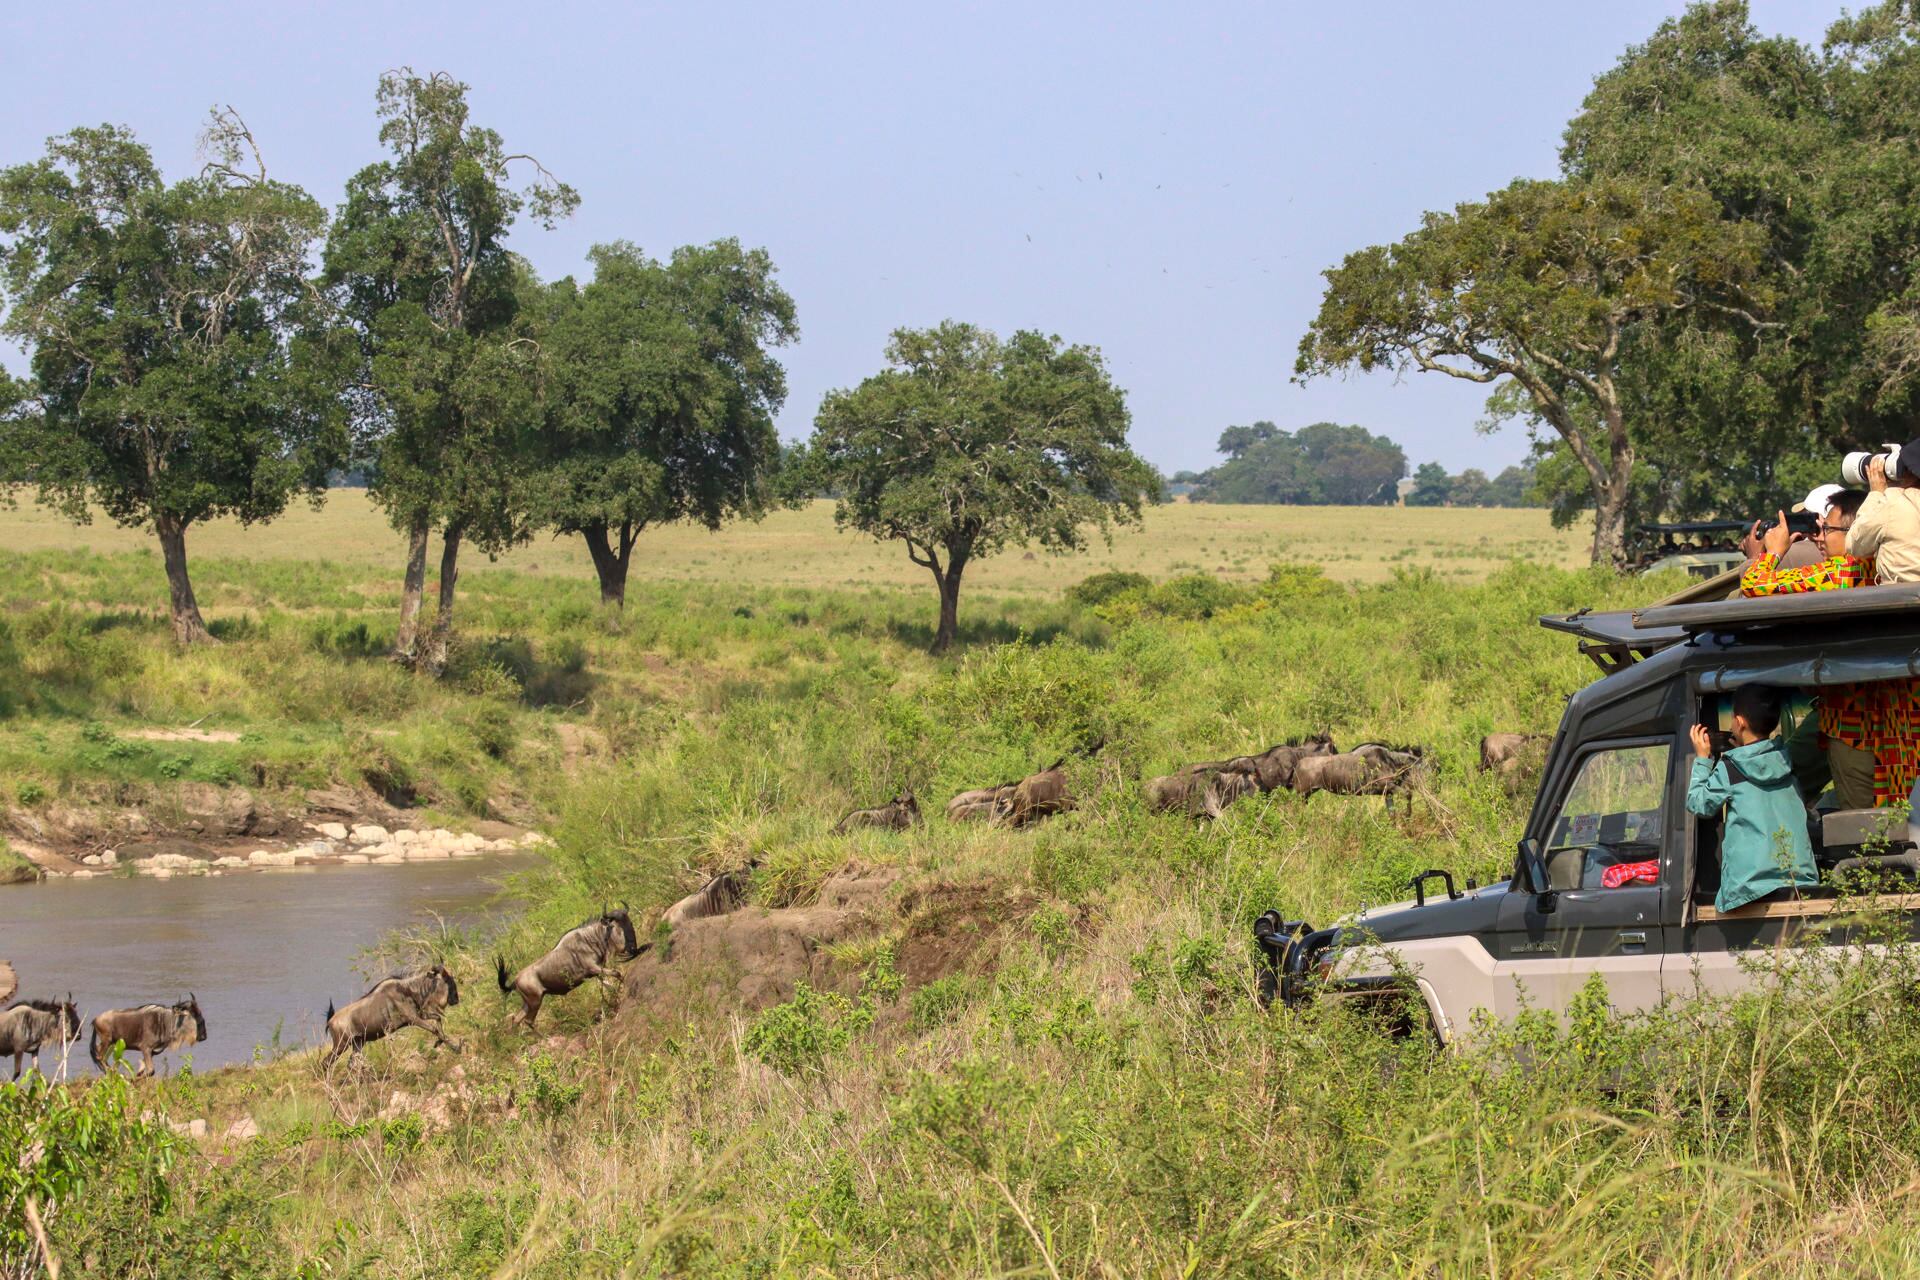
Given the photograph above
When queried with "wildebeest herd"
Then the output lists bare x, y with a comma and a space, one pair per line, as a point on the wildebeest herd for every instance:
590, 951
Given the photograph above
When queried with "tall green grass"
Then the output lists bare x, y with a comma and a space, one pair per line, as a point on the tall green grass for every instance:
1091, 1092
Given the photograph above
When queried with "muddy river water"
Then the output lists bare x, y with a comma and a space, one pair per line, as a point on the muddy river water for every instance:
264, 950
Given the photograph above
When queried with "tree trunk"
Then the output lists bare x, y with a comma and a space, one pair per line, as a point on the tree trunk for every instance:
1610, 525
189, 628
412, 587
611, 563
949, 581
442, 635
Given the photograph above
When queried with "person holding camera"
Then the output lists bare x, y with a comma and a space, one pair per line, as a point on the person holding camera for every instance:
1887, 526
1843, 743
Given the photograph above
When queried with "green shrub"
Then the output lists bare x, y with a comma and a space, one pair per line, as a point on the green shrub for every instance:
800, 1035
1102, 587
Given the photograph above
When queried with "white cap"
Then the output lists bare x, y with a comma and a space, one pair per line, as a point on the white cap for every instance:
1819, 497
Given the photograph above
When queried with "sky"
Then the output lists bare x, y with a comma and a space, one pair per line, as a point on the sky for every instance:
1163, 182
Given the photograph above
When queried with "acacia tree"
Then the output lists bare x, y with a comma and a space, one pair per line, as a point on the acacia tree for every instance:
968, 444
660, 392
448, 391
1555, 286
180, 369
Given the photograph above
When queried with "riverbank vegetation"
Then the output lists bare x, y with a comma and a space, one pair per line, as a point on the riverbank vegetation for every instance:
1037, 1051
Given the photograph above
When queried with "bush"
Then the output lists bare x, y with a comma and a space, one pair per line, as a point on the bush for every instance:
1102, 587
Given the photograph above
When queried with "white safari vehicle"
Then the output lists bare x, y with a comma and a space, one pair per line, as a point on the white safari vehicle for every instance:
1613, 791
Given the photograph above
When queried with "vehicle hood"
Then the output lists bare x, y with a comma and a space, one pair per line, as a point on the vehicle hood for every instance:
1472, 912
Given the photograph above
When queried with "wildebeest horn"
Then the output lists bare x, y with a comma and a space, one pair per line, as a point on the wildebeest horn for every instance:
623, 905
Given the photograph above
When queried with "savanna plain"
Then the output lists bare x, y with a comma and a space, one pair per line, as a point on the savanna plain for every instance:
986, 1051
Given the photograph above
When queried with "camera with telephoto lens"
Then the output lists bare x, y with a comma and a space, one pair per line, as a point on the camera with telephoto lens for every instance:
1853, 467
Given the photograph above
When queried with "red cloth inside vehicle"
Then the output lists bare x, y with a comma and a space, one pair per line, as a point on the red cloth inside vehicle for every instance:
1631, 873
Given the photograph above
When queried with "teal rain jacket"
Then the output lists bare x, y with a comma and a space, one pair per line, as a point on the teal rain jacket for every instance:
1763, 842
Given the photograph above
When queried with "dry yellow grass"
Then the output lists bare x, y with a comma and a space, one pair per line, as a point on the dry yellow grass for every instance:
802, 548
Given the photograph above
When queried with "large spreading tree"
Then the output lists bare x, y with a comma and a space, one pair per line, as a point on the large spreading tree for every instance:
181, 368
448, 396
660, 388
1554, 287
967, 444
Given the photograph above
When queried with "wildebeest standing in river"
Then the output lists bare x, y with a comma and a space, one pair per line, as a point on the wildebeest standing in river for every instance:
147, 1030
415, 999
584, 952
28, 1025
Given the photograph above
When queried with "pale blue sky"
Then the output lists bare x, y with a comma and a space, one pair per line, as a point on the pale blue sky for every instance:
1165, 182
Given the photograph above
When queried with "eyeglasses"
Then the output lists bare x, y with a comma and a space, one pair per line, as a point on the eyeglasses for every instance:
1835, 528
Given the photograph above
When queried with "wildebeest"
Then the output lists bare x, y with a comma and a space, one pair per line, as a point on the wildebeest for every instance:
1511, 755
26, 1026
1370, 769
1203, 791
147, 1030
585, 951
9, 982
897, 814
719, 895
979, 805
415, 999
1274, 767
1037, 796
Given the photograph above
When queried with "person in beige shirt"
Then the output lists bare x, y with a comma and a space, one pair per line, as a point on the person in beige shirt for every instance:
1887, 526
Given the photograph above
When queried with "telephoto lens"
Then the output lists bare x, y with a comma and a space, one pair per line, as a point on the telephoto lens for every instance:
1853, 467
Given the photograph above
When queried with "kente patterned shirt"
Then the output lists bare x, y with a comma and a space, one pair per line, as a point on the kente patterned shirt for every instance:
1881, 716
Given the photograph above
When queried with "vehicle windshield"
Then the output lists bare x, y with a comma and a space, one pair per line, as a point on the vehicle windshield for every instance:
1612, 814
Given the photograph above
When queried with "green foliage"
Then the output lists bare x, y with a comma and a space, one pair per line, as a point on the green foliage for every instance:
1558, 287
1102, 587
969, 444
660, 395
1324, 463
180, 368
70, 1151
799, 1036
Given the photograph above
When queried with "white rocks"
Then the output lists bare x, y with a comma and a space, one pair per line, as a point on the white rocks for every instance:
195, 1128
331, 830
272, 858
230, 861
354, 858
168, 862
424, 852
242, 1129
405, 836
388, 859
91, 860
109, 857
369, 833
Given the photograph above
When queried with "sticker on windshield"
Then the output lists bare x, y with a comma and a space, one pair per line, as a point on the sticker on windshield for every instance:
1583, 829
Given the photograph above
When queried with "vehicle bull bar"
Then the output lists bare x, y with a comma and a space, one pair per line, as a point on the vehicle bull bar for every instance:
1285, 952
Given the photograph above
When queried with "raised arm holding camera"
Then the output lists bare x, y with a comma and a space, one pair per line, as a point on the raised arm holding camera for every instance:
1887, 526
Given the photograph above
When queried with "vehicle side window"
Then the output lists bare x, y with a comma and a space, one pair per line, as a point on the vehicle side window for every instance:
1613, 814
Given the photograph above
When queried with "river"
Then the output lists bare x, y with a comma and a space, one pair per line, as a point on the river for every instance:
264, 951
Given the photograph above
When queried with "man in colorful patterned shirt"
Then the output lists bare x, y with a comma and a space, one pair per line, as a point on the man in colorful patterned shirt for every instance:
1855, 725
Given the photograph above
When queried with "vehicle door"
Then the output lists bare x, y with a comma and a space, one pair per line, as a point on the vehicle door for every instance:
1618, 807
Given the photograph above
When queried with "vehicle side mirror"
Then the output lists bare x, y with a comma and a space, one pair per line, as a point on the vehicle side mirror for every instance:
1533, 865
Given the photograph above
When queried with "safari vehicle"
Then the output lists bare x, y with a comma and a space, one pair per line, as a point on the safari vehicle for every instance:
1613, 791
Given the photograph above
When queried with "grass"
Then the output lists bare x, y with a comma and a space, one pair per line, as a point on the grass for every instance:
1092, 1093
363, 556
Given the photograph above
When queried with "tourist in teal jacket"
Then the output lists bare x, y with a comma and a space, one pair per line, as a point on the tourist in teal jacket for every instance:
1763, 840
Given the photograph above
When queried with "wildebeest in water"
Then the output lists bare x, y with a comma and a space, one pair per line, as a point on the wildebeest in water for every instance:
147, 1030
30, 1024
9, 982
416, 999
897, 814
586, 951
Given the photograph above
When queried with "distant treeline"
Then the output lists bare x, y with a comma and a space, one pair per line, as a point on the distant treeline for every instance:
1327, 464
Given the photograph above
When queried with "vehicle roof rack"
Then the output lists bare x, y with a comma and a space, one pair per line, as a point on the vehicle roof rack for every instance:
1801, 609
1698, 526
1611, 639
